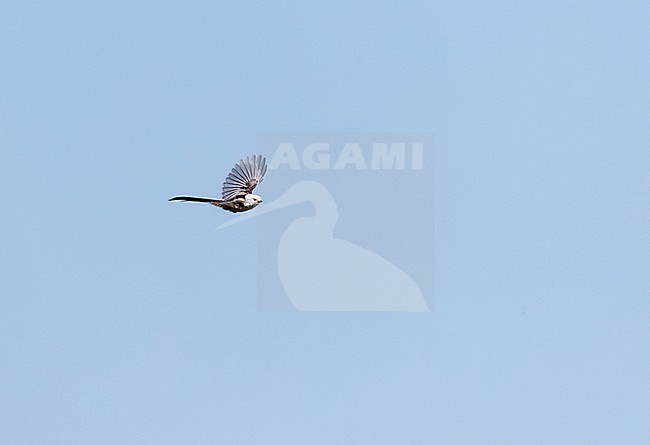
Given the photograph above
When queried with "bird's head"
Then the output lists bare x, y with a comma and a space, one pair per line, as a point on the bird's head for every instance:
252, 200
255, 198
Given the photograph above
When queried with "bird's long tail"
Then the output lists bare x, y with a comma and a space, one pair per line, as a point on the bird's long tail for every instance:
195, 199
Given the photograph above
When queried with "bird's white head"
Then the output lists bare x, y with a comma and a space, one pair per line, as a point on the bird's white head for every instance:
252, 200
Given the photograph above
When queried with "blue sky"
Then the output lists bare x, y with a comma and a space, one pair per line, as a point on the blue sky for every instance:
127, 319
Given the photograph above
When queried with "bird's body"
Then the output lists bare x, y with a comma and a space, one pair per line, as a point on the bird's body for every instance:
237, 188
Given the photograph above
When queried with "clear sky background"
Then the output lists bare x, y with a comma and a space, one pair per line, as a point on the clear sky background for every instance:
128, 319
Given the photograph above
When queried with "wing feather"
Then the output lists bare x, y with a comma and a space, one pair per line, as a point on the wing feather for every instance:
244, 176
238, 175
248, 166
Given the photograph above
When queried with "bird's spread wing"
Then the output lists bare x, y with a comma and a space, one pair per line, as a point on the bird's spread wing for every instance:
244, 177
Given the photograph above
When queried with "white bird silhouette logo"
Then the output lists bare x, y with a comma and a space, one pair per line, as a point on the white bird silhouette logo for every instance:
321, 272
237, 190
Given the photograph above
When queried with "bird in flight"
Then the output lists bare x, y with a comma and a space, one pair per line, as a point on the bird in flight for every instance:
237, 189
